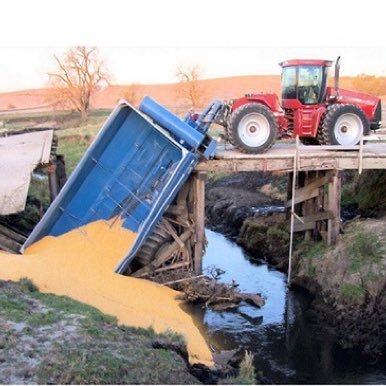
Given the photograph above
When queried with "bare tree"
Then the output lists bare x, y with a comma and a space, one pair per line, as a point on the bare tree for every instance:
133, 93
78, 75
189, 87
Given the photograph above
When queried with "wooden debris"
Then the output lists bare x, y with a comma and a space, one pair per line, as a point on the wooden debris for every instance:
181, 280
219, 296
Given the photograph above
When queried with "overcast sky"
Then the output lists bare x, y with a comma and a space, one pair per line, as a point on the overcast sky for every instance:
144, 41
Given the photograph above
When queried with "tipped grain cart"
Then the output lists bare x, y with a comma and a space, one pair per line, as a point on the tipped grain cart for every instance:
318, 114
132, 171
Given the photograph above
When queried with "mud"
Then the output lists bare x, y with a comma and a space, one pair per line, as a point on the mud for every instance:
248, 208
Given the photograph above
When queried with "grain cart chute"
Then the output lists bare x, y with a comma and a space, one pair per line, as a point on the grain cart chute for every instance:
132, 171
309, 108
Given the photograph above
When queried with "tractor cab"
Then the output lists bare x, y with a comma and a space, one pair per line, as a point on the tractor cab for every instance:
304, 82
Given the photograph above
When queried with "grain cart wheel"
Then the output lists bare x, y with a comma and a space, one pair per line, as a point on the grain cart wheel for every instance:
252, 128
344, 125
156, 240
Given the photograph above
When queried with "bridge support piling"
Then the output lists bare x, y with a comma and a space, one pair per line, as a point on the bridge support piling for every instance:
199, 220
317, 204
334, 197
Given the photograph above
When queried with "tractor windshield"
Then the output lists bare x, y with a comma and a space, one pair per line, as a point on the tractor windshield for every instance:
305, 83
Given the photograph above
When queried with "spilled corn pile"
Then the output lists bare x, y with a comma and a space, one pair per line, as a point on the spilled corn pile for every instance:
80, 264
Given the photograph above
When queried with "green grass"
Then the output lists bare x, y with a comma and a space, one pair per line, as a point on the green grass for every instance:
309, 251
366, 248
13, 309
70, 306
367, 193
97, 363
60, 119
352, 293
27, 285
73, 152
43, 318
348, 197
39, 190
246, 375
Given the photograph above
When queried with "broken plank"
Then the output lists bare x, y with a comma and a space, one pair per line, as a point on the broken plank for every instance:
158, 270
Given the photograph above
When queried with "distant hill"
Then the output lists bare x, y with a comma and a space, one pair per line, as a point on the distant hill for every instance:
220, 88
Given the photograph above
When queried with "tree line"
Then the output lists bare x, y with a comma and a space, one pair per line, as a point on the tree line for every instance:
81, 72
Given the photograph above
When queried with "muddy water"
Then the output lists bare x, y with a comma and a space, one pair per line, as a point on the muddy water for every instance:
287, 348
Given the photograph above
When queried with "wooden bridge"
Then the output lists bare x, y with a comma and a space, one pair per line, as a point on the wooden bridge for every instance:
314, 182
309, 158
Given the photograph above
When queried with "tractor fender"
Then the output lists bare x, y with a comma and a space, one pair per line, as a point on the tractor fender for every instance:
317, 120
269, 100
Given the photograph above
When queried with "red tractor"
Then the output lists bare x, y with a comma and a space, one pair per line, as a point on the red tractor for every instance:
318, 114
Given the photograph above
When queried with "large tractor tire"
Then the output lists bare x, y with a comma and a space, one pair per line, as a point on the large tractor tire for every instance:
344, 125
252, 128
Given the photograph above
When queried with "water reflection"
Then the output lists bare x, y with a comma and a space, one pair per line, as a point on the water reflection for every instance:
287, 348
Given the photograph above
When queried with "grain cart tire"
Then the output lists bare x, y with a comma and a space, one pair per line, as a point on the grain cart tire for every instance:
252, 128
344, 125
158, 238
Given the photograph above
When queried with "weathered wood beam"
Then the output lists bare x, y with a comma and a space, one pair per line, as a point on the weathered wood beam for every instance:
314, 161
52, 179
309, 221
8, 244
334, 194
163, 269
13, 235
199, 220
311, 190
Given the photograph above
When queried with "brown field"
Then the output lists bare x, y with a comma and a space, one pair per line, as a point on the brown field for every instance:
221, 88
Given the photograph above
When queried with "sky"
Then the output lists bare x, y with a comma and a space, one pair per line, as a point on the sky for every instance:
144, 41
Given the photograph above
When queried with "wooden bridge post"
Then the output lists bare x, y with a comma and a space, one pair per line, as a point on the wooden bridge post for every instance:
334, 194
199, 220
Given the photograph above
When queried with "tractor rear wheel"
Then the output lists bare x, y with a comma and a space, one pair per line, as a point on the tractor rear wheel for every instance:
344, 125
252, 128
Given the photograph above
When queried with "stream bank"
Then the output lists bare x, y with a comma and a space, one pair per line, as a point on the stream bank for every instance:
288, 348
348, 285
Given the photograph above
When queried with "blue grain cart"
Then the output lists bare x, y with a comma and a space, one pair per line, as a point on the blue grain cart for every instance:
133, 169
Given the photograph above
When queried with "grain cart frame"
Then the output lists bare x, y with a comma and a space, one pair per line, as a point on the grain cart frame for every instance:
317, 113
131, 172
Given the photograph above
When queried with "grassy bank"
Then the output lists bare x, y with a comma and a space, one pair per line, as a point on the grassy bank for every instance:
49, 339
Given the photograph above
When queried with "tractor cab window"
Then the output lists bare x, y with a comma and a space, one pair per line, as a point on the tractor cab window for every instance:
289, 81
310, 84
305, 83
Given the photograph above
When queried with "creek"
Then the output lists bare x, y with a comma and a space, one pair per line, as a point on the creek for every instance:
287, 348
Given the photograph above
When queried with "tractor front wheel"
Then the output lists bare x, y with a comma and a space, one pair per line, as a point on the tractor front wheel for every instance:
252, 128
344, 125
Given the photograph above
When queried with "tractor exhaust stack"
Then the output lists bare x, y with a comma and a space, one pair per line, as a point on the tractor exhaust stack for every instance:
336, 76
